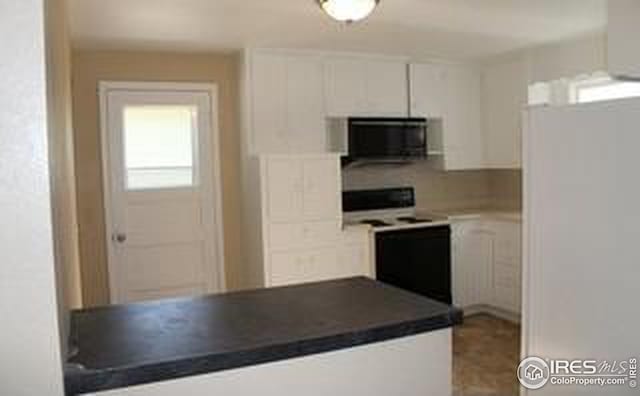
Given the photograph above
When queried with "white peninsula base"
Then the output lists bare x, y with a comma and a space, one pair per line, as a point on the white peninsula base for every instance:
417, 365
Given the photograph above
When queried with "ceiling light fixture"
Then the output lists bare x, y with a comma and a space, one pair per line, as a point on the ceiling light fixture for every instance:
348, 11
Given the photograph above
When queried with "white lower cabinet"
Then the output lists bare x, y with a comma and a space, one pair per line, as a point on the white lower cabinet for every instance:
342, 259
487, 264
355, 256
301, 266
299, 214
472, 254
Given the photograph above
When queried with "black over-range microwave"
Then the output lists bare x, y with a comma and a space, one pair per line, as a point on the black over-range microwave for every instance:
381, 139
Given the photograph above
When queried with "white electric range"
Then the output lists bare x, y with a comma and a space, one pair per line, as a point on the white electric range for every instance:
412, 251
387, 210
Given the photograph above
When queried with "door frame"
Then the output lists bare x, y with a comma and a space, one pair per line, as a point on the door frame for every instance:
215, 185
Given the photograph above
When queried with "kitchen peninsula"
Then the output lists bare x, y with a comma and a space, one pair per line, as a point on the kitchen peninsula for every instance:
346, 337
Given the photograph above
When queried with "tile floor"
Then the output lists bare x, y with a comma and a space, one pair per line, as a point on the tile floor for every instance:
486, 354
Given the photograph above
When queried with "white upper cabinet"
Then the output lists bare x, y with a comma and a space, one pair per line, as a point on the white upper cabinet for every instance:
287, 104
357, 86
268, 132
462, 126
504, 98
387, 88
623, 33
428, 90
449, 96
345, 87
305, 104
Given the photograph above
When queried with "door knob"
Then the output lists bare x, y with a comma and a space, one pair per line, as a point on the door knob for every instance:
119, 237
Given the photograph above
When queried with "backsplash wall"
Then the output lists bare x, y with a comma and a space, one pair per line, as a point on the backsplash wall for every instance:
437, 189
506, 188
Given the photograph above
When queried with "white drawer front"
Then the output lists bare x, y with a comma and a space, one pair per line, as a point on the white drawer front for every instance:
356, 236
320, 233
288, 268
287, 236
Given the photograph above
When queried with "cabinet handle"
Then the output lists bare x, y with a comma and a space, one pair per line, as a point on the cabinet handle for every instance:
119, 237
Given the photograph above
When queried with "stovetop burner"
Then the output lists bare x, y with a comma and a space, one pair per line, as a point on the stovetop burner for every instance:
376, 223
414, 220
396, 221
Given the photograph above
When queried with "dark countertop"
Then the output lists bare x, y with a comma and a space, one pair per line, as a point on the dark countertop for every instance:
135, 344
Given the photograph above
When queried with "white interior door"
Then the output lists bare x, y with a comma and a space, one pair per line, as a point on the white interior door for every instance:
163, 216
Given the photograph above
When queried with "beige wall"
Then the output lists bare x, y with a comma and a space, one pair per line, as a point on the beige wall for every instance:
567, 59
434, 189
506, 188
63, 188
90, 67
442, 190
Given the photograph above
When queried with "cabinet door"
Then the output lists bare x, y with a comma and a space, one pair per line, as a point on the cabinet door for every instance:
462, 125
428, 90
288, 236
345, 87
322, 196
284, 187
305, 105
507, 286
269, 126
386, 88
507, 266
504, 97
472, 265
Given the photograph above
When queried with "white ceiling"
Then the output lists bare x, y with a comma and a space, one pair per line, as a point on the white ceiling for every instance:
456, 29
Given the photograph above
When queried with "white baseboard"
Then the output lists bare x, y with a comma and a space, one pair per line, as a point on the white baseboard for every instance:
493, 311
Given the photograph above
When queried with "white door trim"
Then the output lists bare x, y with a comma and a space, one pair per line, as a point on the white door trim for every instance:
104, 87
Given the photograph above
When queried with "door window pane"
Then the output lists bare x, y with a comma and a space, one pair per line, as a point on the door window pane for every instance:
159, 146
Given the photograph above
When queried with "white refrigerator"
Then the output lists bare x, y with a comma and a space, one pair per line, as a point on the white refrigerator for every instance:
582, 238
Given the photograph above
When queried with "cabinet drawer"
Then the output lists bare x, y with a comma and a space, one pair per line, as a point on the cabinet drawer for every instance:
289, 268
355, 236
286, 236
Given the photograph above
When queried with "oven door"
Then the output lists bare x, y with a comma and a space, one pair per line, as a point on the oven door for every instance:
417, 260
